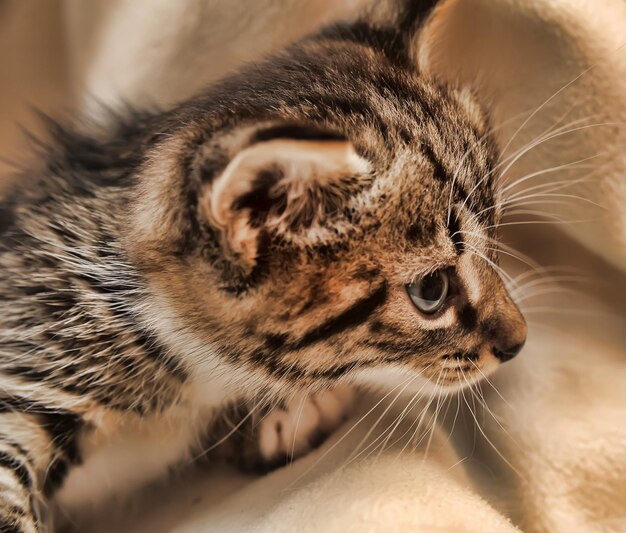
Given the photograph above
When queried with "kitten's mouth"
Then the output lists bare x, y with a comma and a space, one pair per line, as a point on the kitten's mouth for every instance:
463, 369
453, 380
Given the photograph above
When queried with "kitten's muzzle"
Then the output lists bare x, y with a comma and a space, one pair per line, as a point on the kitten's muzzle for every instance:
508, 330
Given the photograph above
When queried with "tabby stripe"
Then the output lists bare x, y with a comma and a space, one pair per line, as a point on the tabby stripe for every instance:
356, 110
18, 468
292, 371
385, 40
61, 425
301, 132
6, 440
440, 172
352, 317
62, 428
142, 337
378, 326
454, 231
296, 373
434, 341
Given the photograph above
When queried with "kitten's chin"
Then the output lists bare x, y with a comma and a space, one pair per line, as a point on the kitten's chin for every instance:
400, 380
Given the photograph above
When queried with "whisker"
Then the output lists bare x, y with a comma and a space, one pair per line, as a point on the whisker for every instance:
544, 104
485, 408
227, 436
544, 171
420, 418
551, 137
516, 156
347, 433
392, 427
436, 395
468, 151
434, 425
488, 440
295, 433
538, 213
547, 201
496, 267
513, 252
552, 186
357, 449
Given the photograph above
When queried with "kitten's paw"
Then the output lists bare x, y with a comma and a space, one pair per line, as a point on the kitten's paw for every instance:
304, 423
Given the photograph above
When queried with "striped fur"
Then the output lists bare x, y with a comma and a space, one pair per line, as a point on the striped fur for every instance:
248, 245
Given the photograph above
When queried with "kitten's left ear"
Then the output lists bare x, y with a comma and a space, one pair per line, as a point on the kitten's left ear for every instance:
458, 44
275, 184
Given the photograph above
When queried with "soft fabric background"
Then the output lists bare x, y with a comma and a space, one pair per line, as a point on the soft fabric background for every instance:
552, 455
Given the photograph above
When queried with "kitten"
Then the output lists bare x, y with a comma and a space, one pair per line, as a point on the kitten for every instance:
314, 222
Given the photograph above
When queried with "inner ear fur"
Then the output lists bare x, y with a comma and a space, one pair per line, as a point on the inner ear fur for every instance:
267, 183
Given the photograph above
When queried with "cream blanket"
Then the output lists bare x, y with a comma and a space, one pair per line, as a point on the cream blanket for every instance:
552, 455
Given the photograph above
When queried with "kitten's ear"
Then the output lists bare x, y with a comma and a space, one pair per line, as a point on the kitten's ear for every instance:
275, 185
460, 44
432, 42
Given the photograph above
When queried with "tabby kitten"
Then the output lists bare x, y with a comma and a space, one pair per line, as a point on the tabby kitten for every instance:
310, 223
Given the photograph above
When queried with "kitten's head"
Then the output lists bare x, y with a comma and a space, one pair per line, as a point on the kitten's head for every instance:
329, 215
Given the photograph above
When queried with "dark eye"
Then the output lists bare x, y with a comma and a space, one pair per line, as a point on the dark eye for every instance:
429, 293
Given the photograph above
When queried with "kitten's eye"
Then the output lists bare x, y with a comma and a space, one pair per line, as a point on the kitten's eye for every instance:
429, 293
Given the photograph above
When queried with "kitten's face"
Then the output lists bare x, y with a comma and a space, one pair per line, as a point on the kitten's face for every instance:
341, 252
407, 285
389, 271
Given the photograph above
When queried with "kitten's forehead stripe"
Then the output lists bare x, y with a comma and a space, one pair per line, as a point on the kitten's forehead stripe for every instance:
455, 233
440, 172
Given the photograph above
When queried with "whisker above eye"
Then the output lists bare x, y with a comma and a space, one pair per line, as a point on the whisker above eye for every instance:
539, 199
550, 98
560, 198
519, 299
503, 246
550, 137
545, 103
542, 215
499, 270
552, 186
513, 158
505, 252
557, 168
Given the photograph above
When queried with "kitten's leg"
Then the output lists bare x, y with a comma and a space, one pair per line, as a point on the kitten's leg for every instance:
266, 439
35, 452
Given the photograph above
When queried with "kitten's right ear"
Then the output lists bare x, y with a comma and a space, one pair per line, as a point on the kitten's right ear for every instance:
430, 44
458, 44
278, 185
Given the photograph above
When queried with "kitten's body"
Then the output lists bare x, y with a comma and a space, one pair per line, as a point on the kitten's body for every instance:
251, 244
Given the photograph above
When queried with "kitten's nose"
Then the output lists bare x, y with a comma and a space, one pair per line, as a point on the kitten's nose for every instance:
508, 330
508, 353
